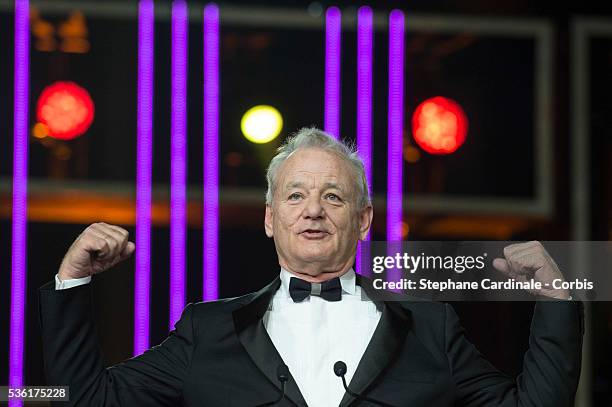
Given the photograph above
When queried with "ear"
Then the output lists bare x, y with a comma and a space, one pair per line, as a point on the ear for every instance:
365, 221
269, 221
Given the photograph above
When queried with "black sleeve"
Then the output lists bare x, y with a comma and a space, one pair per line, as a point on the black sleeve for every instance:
73, 358
551, 366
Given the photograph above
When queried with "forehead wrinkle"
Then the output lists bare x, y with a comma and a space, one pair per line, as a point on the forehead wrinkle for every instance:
294, 176
325, 185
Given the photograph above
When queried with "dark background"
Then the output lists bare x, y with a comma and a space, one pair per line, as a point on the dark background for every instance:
490, 76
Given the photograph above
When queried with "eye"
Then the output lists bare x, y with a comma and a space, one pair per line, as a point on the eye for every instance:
333, 197
294, 196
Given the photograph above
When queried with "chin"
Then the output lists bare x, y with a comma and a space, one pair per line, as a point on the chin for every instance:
315, 256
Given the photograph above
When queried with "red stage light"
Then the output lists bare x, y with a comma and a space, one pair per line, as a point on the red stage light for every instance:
439, 125
66, 109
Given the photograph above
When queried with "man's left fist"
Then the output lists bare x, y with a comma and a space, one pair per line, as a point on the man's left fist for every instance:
524, 261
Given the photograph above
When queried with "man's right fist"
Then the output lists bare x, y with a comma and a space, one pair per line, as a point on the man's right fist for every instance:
97, 249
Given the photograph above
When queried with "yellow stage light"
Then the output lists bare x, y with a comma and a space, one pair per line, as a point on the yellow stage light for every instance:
261, 124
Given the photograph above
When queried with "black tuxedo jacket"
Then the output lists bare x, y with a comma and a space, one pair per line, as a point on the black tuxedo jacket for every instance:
221, 355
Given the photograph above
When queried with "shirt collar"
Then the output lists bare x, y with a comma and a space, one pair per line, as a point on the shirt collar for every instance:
347, 281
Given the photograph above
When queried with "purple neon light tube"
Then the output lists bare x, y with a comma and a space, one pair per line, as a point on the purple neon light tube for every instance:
395, 125
178, 160
211, 154
364, 97
144, 130
20, 189
333, 30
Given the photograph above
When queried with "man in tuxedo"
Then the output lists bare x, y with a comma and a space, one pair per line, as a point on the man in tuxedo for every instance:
315, 313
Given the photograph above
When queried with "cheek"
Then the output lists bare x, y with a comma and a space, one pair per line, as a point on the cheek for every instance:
286, 218
340, 219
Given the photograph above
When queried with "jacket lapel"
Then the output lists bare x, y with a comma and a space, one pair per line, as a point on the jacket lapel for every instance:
386, 342
255, 339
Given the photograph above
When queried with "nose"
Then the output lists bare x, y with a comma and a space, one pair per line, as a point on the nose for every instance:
313, 208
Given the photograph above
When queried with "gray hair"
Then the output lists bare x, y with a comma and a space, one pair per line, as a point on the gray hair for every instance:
311, 137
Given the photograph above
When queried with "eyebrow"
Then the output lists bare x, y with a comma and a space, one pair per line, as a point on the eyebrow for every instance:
333, 185
295, 184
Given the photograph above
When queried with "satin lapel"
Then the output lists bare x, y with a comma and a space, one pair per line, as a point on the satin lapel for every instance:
386, 342
255, 339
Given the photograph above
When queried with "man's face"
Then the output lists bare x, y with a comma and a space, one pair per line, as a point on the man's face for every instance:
314, 218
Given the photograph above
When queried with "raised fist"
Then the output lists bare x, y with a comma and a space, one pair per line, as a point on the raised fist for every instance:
97, 249
524, 261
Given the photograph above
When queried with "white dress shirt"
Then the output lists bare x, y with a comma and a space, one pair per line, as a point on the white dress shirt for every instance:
74, 282
313, 334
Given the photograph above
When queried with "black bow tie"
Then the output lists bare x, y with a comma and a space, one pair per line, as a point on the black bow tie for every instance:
330, 290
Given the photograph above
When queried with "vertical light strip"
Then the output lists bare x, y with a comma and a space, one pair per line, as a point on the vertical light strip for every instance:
178, 160
333, 30
20, 189
144, 141
364, 98
210, 231
395, 126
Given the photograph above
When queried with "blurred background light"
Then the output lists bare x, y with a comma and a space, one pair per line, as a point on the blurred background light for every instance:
19, 216
412, 154
144, 173
395, 126
40, 130
210, 187
439, 125
405, 230
67, 36
74, 34
315, 9
333, 35
261, 124
66, 109
365, 66
178, 159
